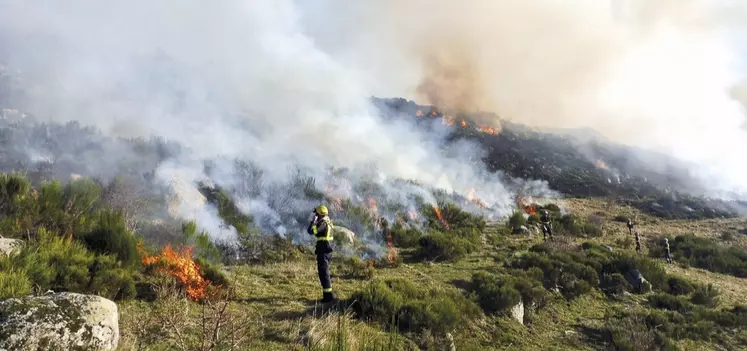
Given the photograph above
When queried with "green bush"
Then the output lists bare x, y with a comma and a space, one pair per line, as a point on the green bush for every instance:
212, 272
679, 286
533, 219
573, 273
705, 295
552, 207
614, 284
204, 247
516, 220
405, 237
64, 264
706, 254
498, 294
110, 237
14, 283
438, 246
400, 304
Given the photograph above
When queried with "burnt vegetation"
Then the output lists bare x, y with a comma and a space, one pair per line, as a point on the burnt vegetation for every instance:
580, 166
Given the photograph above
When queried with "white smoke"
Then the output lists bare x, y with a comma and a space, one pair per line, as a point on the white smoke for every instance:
228, 79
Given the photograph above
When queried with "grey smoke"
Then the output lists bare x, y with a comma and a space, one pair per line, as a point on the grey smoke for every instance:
227, 80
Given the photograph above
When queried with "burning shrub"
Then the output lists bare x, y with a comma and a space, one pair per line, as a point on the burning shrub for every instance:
180, 266
410, 308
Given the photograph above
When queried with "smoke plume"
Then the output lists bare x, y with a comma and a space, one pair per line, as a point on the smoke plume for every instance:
652, 74
230, 80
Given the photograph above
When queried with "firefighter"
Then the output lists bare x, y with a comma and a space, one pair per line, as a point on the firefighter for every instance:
667, 253
637, 243
321, 228
630, 225
546, 225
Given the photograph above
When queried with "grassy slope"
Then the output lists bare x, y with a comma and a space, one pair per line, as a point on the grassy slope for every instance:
280, 297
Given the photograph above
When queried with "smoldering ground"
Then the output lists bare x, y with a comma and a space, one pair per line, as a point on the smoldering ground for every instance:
232, 80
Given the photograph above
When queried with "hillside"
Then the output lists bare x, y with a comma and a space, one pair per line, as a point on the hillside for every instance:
443, 276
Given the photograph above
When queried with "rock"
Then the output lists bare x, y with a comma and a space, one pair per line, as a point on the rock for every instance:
9, 246
636, 279
450, 339
346, 235
63, 321
609, 248
523, 230
517, 312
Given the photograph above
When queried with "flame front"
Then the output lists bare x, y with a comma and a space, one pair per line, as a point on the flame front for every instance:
180, 266
419, 113
392, 255
601, 165
440, 216
471, 197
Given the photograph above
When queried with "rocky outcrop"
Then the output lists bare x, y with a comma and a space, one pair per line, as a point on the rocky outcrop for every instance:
9, 246
344, 235
639, 283
517, 312
63, 321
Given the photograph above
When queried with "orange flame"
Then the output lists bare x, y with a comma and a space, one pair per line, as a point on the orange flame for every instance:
447, 120
392, 256
440, 216
463, 123
419, 113
474, 199
530, 210
180, 266
488, 130
601, 164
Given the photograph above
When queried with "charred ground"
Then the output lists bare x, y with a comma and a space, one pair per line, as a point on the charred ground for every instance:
578, 163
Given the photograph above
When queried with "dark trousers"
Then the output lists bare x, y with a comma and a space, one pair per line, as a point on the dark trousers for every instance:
668, 257
323, 261
546, 230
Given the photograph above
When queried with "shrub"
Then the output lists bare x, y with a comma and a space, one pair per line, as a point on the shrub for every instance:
405, 237
649, 269
63, 264
572, 273
14, 283
669, 302
706, 254
410, 308
679, 286
625, 242
494, 294
552, 207
614, 284
516, 221
533, 219
211, 272
111, 237
204, 247
705, 295
439, 246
